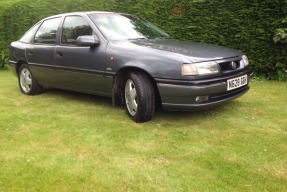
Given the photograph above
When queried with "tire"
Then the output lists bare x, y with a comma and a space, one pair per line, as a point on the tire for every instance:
139, 97
27, 83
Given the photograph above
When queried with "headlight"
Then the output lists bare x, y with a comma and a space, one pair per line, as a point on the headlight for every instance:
245, 60
204, 68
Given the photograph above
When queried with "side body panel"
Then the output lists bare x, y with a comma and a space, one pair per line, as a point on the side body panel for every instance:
41, 59
81, 67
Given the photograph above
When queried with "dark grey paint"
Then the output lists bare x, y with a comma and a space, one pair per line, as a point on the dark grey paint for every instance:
91, 69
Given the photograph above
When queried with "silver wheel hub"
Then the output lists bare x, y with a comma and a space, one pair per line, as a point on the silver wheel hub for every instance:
25, 80
131, 97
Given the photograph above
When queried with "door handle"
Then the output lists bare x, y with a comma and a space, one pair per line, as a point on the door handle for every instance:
60, 54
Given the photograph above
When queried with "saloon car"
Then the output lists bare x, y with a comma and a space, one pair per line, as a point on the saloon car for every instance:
128, 59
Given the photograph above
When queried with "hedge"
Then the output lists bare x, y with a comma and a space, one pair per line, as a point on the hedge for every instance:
248, 26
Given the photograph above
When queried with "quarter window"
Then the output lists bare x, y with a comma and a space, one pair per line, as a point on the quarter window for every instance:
30, 34
74, 26
47, 32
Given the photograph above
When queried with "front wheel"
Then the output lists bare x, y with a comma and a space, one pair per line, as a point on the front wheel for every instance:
139, 97
27, 83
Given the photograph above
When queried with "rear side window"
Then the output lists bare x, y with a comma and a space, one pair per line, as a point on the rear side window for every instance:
74, 26
30, 34
47, 32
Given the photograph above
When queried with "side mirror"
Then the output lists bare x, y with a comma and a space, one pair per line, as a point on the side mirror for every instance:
87, 41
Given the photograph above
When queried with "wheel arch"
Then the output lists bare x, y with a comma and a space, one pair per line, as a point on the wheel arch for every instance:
18, 65
118, 85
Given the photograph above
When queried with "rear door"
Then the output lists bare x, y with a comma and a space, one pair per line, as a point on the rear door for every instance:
41, 52
80, 68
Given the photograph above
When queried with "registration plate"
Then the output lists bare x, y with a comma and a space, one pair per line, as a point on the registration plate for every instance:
236, 82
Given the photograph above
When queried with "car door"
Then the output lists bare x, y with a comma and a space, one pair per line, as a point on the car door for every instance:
41, 52
80, 68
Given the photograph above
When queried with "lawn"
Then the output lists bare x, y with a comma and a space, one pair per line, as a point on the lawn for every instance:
65, 141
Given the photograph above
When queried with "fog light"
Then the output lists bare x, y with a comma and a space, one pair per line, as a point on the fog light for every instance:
201, 98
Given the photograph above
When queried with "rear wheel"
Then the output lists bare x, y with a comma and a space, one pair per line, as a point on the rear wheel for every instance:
139, 97
27, 83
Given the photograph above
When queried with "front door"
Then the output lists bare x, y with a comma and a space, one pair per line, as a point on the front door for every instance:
80, 68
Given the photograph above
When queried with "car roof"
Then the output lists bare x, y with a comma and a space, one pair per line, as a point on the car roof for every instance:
78, 13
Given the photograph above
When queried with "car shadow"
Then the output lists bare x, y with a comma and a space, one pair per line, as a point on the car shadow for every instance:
229, 107
160, 114
77, 96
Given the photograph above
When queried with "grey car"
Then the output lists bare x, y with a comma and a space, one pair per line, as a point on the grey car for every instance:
129, 60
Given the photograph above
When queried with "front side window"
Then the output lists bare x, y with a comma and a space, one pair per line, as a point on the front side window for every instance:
74, 26
47, 32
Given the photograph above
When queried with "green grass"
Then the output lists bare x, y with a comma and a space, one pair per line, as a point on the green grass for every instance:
65, 141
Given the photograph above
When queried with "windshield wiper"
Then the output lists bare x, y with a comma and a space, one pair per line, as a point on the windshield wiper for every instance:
137, 38
167, 37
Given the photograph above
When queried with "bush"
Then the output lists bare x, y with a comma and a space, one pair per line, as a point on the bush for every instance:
3, 60
248, 26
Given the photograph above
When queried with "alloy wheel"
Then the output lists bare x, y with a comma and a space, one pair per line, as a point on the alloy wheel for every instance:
25, 80
131, 97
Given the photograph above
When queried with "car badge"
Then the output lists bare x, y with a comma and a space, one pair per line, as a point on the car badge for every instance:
233, 65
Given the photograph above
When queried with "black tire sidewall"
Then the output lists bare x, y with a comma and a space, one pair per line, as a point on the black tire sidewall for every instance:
145, 97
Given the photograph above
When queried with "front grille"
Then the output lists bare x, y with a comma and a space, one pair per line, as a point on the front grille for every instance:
229, 66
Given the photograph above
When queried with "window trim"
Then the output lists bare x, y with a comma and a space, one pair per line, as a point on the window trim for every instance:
62, 29
33, 39
33, 35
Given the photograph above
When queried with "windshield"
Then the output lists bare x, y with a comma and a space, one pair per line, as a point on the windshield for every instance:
120, 27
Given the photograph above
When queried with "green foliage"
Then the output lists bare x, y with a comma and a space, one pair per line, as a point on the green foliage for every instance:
281, 33
248, 26
3, 60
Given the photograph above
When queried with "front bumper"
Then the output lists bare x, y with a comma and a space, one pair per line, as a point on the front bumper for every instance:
178, 95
